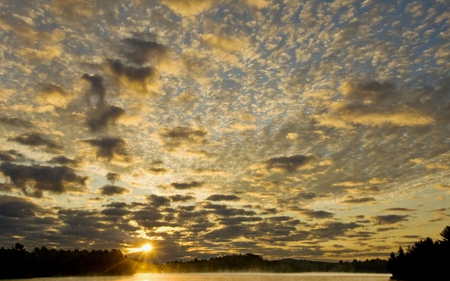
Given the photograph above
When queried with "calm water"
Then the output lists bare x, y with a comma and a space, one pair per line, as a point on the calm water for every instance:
232, 277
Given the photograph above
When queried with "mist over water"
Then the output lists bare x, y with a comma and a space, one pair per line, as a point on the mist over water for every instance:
232, 277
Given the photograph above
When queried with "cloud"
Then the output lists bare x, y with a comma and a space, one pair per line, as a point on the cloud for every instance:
17, 207
284, 164
219, 197
143, 49
400, 209
188, 7
182, 198
11, 156
226, 211
157, 170
372, 104
54, 95
95, 96
317, 214
347, 183
183, 137
366, 190
100, 114
102, 117
34, 180
141, 79
35, 139
186, 185
331, 230
158, 201
112, 177
16, 122
110, 190
443, 187
390, 219
209, 172
223, 43
110, 149
379, 180
260, 4
353, 200
63, 160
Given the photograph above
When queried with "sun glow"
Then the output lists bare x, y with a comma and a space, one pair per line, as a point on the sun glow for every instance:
146, 248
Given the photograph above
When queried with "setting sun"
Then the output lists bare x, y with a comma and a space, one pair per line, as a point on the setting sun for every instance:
146, 248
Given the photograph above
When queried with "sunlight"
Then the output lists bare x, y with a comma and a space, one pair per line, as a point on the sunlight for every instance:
146, 248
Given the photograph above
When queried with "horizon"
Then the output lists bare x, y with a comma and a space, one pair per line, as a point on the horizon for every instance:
192, 129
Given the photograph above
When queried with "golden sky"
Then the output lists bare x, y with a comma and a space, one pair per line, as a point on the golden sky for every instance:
285, 128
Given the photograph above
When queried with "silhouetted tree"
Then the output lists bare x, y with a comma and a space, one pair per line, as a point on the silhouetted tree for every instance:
425, 260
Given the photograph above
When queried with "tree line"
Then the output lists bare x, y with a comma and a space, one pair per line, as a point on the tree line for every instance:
17, 262
255, 263
425, 260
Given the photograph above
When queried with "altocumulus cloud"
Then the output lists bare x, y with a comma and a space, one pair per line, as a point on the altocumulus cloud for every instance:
34, 180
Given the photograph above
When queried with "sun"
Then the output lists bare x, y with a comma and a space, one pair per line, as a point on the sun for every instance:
146, 248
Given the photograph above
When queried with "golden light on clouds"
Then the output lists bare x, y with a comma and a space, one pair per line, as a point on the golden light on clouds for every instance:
191, 124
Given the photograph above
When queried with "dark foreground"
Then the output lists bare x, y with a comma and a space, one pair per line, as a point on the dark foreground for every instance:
425, 260
41, 262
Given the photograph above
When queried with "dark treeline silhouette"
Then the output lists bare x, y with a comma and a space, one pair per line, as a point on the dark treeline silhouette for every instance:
425, 260
17, 262
255, 263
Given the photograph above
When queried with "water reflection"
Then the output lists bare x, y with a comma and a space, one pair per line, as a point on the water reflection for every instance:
230, 277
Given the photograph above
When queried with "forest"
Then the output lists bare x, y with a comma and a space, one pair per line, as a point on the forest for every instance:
17, 262
425, 260
255, 263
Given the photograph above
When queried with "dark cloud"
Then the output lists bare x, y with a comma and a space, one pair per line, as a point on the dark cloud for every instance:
117, 205
35, 139
353, 200
112, 177
228, 232
226, 211
100, 114
400, 209
157, 170
141, 76
63, 160
287, 164
374, 91
110, 148
181, 198
16, 122
149, 217
317, 214
18, 207
390, 219
110, 190
219, 197
115, 212
96, 94
11, 156
186, 185
411, 236
142, 49
33, 180
158, 201
183, 137
239, 220
102, 117
332, 230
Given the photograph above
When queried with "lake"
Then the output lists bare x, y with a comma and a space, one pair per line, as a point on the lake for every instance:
231, 277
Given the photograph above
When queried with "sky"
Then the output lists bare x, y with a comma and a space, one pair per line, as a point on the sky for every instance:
290, 129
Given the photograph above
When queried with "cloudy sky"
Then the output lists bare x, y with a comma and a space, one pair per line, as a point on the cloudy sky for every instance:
285, 128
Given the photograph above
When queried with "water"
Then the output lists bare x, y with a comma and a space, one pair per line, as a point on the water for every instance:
230, 277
